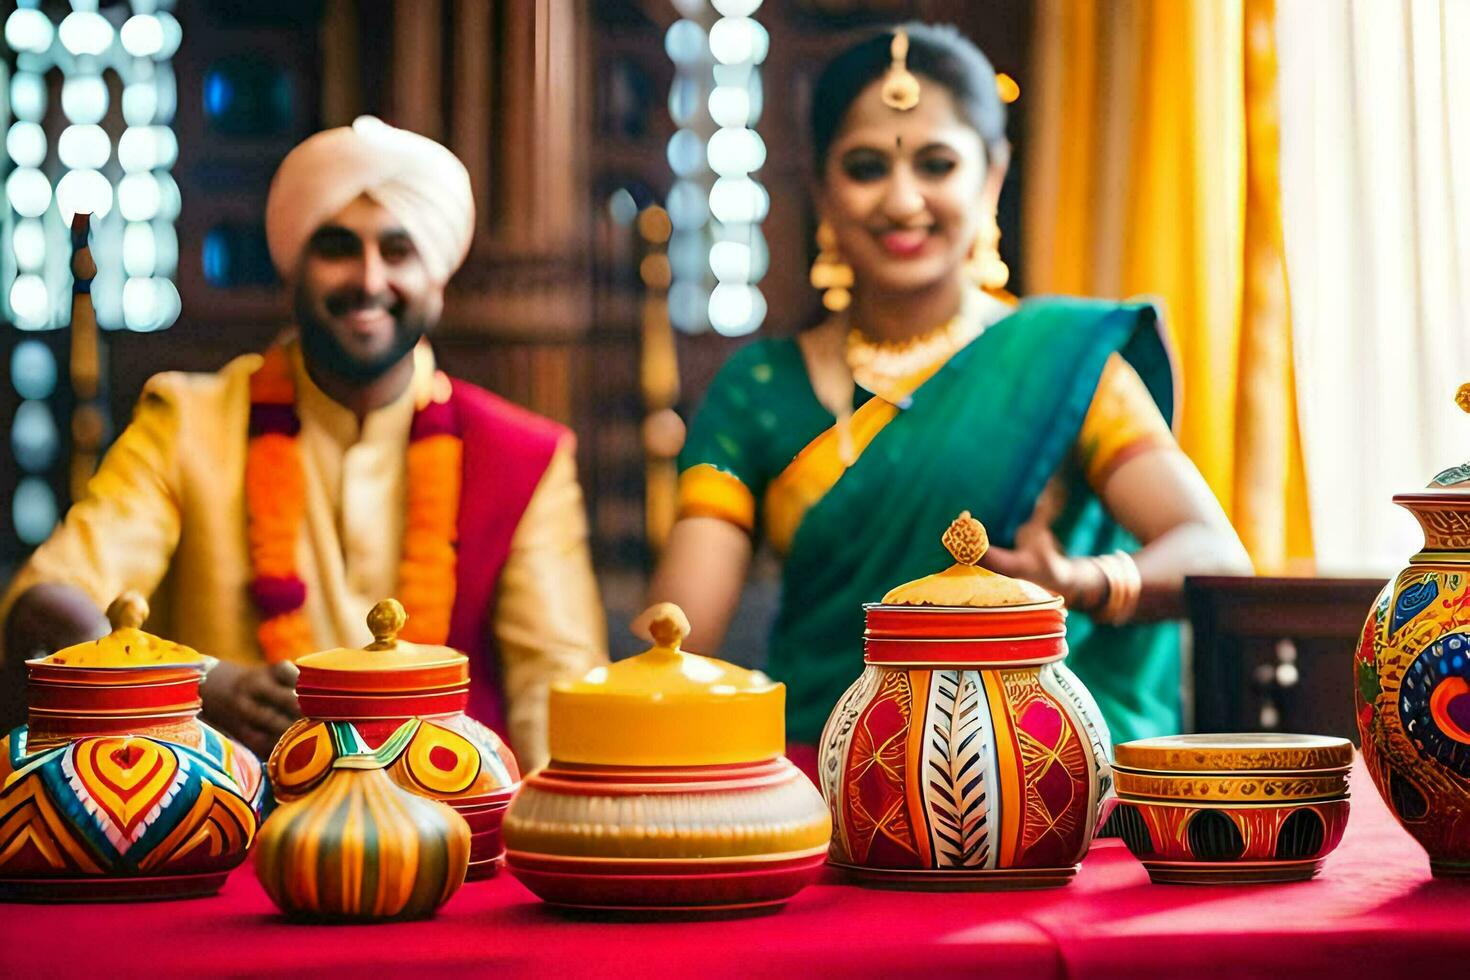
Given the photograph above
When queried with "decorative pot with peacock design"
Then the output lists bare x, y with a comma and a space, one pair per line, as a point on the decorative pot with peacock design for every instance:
966, 755
1412, 676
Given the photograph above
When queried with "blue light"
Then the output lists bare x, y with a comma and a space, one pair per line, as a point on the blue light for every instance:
219, 94
216, 258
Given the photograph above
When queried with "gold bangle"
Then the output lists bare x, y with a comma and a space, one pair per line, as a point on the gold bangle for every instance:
1096, 607
1124, 588
1117, 588
1112, 587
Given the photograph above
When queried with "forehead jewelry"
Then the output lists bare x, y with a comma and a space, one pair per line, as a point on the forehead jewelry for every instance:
900, 87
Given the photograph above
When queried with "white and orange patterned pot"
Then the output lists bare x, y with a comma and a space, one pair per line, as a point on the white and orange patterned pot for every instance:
965, 755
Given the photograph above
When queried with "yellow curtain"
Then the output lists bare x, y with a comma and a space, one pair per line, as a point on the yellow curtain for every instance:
1152, 169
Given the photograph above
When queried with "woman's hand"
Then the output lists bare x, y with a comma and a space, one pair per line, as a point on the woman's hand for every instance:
1038, 557
1163, 501
253, 704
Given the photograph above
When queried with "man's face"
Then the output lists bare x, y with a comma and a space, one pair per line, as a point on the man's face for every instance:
364, 296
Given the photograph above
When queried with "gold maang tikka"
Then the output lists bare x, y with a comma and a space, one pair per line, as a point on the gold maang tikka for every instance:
900, 87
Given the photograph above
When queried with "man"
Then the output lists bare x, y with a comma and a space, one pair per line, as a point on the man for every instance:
268, 506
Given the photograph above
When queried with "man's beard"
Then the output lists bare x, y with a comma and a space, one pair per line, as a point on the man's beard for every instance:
324, 351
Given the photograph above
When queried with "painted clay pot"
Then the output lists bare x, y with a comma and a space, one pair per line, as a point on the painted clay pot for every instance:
965, 755
1412, 677
1232, 809
360, 847
114, 789
667, 790
409, 698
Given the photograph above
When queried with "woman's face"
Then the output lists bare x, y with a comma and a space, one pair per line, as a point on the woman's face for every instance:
907, 192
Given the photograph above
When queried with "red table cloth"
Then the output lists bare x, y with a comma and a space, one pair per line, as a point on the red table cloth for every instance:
1374, 911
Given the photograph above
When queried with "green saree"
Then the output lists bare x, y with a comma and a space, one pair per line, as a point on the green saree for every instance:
984, 434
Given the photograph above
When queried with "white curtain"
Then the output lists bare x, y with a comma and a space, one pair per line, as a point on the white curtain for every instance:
1375, 175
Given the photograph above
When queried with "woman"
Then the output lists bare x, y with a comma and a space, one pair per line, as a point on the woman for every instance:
852, 446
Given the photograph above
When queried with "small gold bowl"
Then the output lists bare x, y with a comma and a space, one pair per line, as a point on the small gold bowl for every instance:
1232, 809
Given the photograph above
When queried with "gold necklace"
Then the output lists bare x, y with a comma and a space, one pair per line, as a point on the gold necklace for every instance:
891, 369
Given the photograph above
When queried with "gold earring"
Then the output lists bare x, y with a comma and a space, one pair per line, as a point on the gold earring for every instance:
984, 264
830, 273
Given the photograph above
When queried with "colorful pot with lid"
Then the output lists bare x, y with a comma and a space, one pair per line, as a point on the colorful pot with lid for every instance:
1411, 676
410, 698
667, 789
1232, 809
965, 755
114, 789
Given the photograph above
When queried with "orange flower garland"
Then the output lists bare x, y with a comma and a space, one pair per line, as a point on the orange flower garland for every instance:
426, 569
275, 505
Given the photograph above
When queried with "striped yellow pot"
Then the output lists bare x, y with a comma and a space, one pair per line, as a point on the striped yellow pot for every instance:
360, 847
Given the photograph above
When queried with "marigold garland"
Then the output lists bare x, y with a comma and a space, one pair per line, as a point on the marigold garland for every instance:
275, 505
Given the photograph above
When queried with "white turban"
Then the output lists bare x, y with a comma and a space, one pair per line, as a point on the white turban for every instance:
421, 184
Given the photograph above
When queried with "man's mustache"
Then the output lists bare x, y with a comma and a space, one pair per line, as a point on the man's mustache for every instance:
352, 300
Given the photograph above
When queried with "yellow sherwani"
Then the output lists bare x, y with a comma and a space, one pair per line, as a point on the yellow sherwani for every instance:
165, 514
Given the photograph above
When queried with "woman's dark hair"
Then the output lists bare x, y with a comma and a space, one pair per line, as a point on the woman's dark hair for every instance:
937, 53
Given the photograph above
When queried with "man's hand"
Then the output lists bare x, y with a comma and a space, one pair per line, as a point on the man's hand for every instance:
50, 616
45, 618
253, 704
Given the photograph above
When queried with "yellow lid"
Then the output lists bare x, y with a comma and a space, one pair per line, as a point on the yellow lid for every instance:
666, 707
965, 583
126, 645
388, 652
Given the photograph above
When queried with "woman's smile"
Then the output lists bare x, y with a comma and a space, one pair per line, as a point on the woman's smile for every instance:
905, 243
